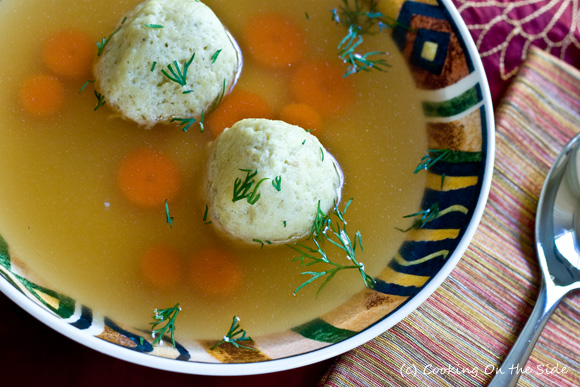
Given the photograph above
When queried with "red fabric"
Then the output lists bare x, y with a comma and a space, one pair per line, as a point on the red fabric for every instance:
504, 31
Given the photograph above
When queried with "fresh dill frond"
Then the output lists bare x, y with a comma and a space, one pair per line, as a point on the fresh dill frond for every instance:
235, 336
322, 153
321, 222
185, 122
153, 66
361, 17
205, 215
85, 85
243, 189
215, 56
168, 218
219, 97
153, 26
425, 216
277, 183
359, 62
100, 100
201, 127
168, 317
178, 75
432, 157
307, 15
336, 235
101, 45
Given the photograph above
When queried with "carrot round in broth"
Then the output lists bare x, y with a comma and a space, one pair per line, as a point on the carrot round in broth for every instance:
274, 40
69, 53
148, 178
321, 85
216, 272
161, 266
238, 105
42, 95
302, 115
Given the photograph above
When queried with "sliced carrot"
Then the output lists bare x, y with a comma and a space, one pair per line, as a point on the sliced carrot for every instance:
274, 40
148, 178
321, 85
301, 114
69, 53
238, 105
216, 272
42, 95
161, 266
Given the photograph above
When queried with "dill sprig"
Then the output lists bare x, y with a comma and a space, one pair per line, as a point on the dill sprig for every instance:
243, 189
205, 215
277, 183
168, 317
185, 122
85, 85
178, 75
168, 218
359, 62
100, 100
101, 45
235, 336
361, 17
154, 26
432, 157
425, 216
219, 97
215, 56
335, 233
320, 224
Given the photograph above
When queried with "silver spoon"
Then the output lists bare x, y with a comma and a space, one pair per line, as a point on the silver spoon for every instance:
557, 237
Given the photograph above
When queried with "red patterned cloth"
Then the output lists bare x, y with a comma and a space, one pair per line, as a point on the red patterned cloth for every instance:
504, 31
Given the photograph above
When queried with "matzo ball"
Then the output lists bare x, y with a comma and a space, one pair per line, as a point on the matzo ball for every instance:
293, 173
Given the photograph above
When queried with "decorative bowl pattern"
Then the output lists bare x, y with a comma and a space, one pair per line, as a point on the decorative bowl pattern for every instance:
457, 106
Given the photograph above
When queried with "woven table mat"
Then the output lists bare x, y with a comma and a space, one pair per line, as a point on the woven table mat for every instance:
461, 334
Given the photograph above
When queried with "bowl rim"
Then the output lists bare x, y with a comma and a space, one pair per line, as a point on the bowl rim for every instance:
317, 355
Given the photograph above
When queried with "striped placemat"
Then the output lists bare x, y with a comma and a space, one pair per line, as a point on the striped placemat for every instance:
465, 329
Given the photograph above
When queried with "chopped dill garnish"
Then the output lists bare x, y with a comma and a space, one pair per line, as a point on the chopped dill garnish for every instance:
432, 157
178, 76
167, 217
284, 222
187, 92
201, 127
259, 241
361, 17
185, 122
205, 215
219, 97
215, 56
336, 235
242, 188
426, 216
153, 25
100, 100
235, 336
307, 15
322, 153
303, 142
101, 45
153, 66
168, 317
85, 85
277, 183
320, 224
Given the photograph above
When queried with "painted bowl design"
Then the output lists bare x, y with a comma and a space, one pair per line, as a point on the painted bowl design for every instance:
457, 106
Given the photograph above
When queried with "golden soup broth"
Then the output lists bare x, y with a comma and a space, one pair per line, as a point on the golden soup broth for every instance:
63, 214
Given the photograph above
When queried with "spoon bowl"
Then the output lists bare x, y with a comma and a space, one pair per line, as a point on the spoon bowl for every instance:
557, 235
